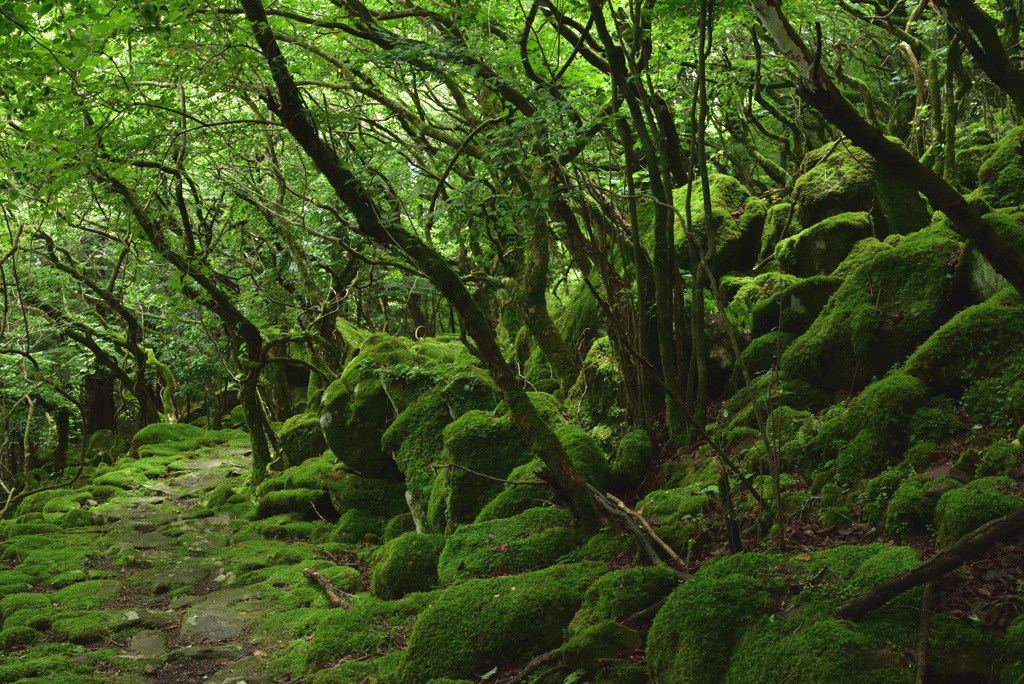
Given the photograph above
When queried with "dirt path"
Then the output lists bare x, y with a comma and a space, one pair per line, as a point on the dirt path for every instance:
149, 573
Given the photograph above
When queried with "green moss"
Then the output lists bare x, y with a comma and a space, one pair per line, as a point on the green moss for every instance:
183, 435
306, 475
780, 223
222, 495
762, 617
406, 564
357, 526
301, 439
606, 639
977, 653
845, 178
13, 603
310, 503
794, 308
969, 161
818, 250
86, 627
86, 595
1001, 176
632, 459
514, 499
34, 503
593, 401
863, 251
485, 444
762, 355
495, 620
620, 594
879, 314
18, 636
371, 626
348, 491
399, 525
415, 441
1000, 458
961, 510
533, 539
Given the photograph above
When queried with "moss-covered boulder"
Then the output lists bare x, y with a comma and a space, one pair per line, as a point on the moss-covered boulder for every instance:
976, 356
533, 539
483, 443
738, 220
353, 420
301, 438
1001, 176
841, 177
349, 491
495, 620
584, 453
406, 564
174, 436
819, 249
780, 223
593, 401
795, 307
758, 618
961, 510
632, 458
969, 161
880, 313
912, 508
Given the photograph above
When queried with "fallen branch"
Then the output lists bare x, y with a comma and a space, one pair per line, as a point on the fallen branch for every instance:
435, 466
967, 547
532, 666
647, 526
336, 597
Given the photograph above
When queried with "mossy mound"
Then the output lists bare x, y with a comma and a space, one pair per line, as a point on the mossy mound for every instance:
353, 420
820, 249
780, 223
842, 177
415, 440
756, 618
738, 221
632, 458
301, 439
533, 539
593, 401
618, 595
406, 564
879, 314
961, 510
495, 620
677, 512
348, 491
976, 356
1001, 176
311, 504
795, 307
483, 443
371, 627
912, 507
969, 161
163, 439
586, 457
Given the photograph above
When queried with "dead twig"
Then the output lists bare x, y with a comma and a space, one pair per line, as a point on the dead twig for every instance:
336, 597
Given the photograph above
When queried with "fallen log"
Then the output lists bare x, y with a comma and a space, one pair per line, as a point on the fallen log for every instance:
967, 547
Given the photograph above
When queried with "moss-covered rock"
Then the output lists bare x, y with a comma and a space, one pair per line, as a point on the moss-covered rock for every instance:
533, 539
795, 307
756, 618
780, 223
1001, 176
415, 441
1000, 458
311, 504
593, 401
820, 249
677, 512
353, 420
483, 443
495, 620
961, 510
842, 178
969, 161
103, 446
180, 437
880, 313
406, 564
633, 456
912, 507
301, 439
348, 491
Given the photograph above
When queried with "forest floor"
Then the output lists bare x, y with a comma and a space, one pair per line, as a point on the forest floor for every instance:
150, 592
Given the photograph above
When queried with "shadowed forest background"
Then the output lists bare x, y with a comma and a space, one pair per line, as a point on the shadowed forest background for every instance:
565, 341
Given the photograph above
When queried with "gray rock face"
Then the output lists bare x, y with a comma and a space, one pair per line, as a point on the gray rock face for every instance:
213, 625
148, 644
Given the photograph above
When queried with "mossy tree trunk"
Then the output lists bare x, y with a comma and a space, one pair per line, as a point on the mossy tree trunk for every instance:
292, 112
